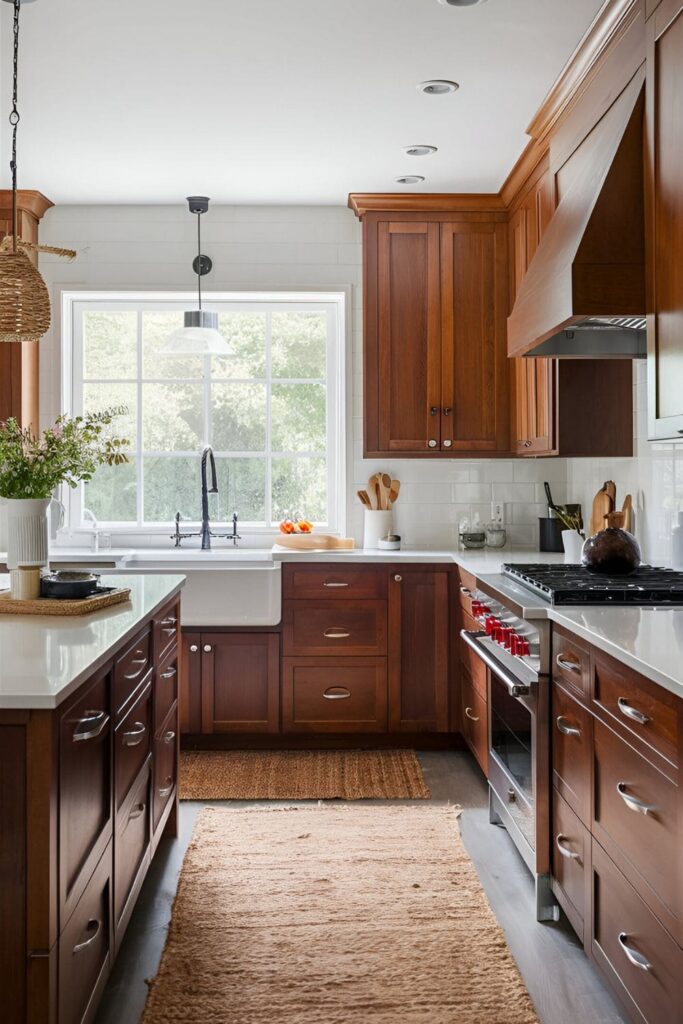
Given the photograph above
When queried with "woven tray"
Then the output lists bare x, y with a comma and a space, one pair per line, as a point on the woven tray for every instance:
59, 606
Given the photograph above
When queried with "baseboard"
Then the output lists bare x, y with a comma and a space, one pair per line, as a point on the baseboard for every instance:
343, 741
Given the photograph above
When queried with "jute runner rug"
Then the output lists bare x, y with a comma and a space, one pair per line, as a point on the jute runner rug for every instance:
301, 775
333, 915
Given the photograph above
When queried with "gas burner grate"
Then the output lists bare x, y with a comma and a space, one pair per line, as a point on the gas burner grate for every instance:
575, 585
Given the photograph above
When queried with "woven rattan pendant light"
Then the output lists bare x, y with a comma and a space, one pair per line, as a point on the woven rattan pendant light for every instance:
24, 299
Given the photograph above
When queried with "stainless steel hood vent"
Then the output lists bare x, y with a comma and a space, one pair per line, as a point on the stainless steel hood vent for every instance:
598, 337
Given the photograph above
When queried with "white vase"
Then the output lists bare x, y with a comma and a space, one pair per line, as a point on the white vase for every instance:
378, 523
27, 532
573, 546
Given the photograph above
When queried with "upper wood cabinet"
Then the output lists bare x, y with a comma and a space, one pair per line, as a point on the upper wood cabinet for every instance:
664, 209
435, 362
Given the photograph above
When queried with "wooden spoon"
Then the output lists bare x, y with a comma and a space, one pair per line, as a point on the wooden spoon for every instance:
393, 493
373, 488
384, 490
364, 498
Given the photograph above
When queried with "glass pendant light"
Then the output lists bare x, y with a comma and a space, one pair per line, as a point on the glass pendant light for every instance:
199, 335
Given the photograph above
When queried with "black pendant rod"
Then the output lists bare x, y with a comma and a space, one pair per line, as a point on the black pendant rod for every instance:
14, 119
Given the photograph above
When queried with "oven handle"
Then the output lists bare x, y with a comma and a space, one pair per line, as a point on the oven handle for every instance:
515, 688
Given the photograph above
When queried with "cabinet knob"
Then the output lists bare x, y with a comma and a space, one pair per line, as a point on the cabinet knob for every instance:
194, 648
447, 444
431, 443
448, 410
434, 410
527, 444
398, 578
207, 648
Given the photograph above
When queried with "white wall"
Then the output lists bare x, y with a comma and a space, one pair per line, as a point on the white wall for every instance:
282, 246
654, 478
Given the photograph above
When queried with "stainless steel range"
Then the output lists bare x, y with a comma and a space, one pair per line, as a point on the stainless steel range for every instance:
514, 643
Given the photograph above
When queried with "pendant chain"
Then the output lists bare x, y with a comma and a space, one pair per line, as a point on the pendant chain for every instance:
14, 119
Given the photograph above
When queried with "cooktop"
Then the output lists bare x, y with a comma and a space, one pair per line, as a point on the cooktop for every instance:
573, 584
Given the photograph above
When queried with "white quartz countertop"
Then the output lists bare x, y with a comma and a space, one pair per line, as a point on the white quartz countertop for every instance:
45, 658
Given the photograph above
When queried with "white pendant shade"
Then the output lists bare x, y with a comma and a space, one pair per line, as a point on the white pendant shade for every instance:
198, 337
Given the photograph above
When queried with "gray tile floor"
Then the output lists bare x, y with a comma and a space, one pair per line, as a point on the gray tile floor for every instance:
564, 986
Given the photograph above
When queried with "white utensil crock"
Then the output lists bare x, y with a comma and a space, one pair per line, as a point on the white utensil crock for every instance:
27, 532
573, 546
378, 523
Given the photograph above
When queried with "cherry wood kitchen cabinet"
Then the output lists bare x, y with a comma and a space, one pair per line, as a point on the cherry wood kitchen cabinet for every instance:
81, 814
471, 675
418, 650
240, 685
664, 218
617, 818
436, 370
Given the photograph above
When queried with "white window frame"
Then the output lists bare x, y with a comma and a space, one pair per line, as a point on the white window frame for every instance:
335, 303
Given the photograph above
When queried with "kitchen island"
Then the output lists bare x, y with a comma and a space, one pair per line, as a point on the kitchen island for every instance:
88, 785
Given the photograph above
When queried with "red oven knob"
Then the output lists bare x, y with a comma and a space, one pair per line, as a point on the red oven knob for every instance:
522, 646
491, 624
507, 634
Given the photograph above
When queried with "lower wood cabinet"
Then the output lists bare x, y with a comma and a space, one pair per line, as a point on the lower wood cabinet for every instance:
239, 675
474, 720
617, 820
91, 793
334, 695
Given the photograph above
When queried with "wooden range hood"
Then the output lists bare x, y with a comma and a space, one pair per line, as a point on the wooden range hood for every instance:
584, 292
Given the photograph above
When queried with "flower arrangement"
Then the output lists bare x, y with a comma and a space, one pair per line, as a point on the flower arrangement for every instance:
68, 452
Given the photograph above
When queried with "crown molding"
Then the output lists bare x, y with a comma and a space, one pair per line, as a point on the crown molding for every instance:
434, 202
28, 201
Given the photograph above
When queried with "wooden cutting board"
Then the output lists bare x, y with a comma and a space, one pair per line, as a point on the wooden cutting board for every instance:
314, 542
603, 504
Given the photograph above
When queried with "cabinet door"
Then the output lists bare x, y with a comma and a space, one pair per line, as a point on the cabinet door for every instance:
418, 651
474, 720
190, 688
474, 414
405, 381
665, 219
535, 379
240, 682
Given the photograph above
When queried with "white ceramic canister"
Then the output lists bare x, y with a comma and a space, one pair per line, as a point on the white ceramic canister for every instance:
378, 523
573, 546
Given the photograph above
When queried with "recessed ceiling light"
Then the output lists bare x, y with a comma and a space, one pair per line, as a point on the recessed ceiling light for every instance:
461, 3
420, 150
410, 179
437, 87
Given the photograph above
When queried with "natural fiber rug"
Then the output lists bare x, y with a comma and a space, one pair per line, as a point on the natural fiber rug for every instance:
301, 775
333, 915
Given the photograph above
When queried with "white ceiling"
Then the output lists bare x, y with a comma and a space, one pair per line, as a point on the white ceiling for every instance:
276, 101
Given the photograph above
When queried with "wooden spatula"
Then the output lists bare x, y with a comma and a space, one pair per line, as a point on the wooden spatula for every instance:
602, 506
627, 509
373, 489
393, 493
364, 498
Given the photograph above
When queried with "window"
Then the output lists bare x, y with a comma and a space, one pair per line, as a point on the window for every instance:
272, 411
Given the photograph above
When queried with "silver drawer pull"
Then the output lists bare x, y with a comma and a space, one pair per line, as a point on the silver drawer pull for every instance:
136, 661
92, 924
569, 666
169, 736
341, 693
169, 630
91, 725
137, 812
166, 789
630, 712
169, 673
135, 735
468, 712
334, 583
465, 592
566, 730
335, 633
636, 958
560, 840
170, 621
632, 803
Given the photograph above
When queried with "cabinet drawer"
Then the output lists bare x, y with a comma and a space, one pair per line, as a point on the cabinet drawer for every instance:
325, 695
131, 848
570, 664
329, 582
467, 586
623, 930
572, 752
85, 948
165, 764
165, 687
636, 707
636, 821
85, 804
166, 628
132, 744
474, 722
474, 668
335, 627
570, 856
131, 668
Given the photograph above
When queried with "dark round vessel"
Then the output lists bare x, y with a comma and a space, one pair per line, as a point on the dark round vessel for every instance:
612, 552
